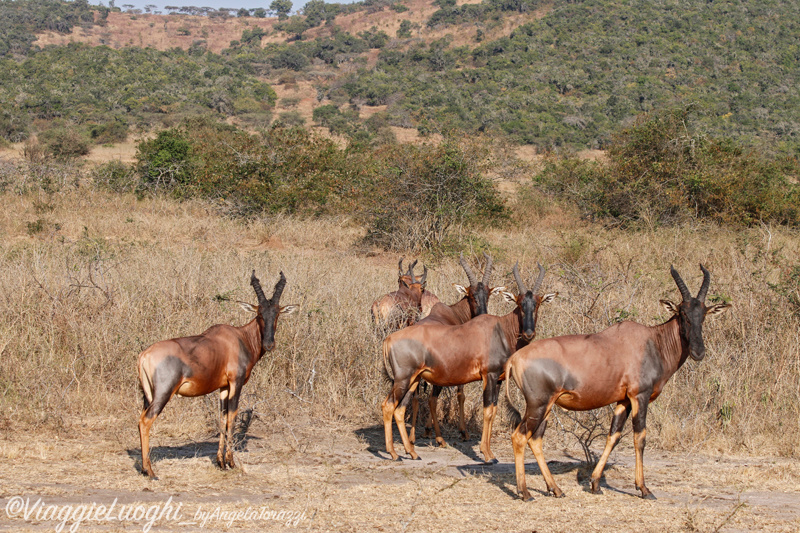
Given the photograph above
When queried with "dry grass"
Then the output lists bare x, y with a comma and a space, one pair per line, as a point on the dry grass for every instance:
89, 278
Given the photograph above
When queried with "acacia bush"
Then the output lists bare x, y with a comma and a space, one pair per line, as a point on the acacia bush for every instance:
663, 171
64, 142
431, 193
283, 169
409, 197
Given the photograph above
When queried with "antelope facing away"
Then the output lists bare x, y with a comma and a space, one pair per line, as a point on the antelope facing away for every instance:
627, 363
448, 355
474, 303
404, 306
221, 358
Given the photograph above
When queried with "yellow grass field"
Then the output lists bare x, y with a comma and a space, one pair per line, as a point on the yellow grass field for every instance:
89, 278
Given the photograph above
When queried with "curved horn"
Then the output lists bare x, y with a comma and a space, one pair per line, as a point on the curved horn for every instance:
538, 284
704, 287
400, 268
276, 294
487, 271
465, 266
411, 268
424, 276
262, 300
520, 284
679, 282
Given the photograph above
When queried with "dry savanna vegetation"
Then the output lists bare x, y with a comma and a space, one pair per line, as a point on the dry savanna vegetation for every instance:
91, 277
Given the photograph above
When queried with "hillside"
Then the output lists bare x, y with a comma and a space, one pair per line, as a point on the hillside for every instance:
548, 74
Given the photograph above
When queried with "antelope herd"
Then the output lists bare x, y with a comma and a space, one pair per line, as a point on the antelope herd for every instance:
453, 345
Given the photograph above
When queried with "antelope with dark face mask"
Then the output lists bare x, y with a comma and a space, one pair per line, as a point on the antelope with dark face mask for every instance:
404, 306
448, 355
627, 363
221, 358
474, 303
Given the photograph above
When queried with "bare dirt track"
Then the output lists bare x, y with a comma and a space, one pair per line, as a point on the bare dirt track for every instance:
328, 477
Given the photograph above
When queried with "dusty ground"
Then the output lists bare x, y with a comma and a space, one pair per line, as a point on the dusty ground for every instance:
335, 477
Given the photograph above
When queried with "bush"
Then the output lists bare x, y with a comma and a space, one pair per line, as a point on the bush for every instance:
116, 176
64, 143
109, 132
166, 161
662, 171
431, 193
283, 169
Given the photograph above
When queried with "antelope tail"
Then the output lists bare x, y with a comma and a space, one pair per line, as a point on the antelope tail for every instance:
514, 416
387, 374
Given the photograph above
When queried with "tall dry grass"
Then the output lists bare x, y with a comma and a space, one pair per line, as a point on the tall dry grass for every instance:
90, 278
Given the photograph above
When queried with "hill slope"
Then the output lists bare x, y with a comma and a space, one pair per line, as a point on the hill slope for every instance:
549, 74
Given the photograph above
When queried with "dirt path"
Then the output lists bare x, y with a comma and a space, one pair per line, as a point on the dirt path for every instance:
336, 478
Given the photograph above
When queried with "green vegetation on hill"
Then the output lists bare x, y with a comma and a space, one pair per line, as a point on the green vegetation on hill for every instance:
569, 79
20, 20
587, 68
98, 85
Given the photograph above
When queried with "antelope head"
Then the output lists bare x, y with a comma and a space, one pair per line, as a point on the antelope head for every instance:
692, 312
528, 302
268, 309
478, 292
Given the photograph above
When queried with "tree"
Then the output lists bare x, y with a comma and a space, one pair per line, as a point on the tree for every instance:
282, 8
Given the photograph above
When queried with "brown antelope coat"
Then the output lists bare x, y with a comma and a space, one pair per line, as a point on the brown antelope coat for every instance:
627, 363
221, 358
447, 355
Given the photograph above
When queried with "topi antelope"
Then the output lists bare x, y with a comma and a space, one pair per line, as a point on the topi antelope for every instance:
448, 355
474, 303
402, 307
627, 363
221, 358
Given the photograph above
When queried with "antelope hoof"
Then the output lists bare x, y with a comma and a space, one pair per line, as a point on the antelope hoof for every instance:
441, 442
427, 433
415, 457
556, 492
492, 461
595, 489
526, 496
464, 436
150, 474
648, 496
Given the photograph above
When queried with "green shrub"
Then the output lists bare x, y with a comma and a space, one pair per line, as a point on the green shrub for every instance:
283, 169
108, 132
64, 142
166, 162
662, 171
428, 194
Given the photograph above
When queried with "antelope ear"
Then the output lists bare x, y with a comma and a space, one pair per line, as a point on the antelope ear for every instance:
510, 298
460, 289
289, 309
248, 307
497, 290
669, 306
547, 298
717, 309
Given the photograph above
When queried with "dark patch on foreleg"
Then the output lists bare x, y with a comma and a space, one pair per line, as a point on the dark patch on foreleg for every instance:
621, 412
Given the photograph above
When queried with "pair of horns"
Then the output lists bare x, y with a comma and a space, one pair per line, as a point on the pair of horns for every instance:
701, 295
276, 293
487, 271
410, 272
521, 284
